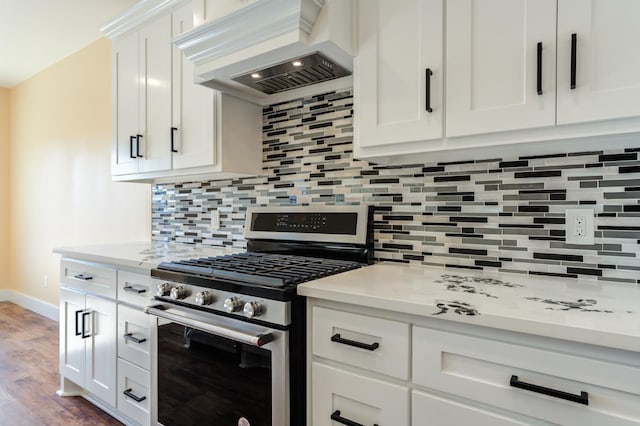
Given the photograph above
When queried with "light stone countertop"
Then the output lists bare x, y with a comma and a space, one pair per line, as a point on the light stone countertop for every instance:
594, 312
141, 256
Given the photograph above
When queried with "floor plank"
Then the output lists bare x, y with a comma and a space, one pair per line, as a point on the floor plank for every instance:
29, 375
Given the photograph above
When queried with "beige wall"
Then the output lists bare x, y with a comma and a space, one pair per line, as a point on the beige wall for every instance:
4, 186
60, 182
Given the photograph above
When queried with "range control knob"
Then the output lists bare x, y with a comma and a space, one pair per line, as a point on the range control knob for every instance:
204, 298
253, 309
178, 292
232, 304
163, 289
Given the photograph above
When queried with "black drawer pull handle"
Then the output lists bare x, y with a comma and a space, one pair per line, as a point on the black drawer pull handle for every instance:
138, 146
427, 89
574, 53
539, 66
132, 289
370, 347
583, 398
78, 332
131, 147
130, 337
133, 396
84, 315
173, 130
335, 416
83, 277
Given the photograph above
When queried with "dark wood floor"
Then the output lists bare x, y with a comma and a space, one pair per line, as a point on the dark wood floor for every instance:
29, 375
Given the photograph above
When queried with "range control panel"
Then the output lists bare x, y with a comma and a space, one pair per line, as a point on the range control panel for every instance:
335, 223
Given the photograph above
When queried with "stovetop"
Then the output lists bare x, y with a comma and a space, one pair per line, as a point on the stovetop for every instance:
262, 269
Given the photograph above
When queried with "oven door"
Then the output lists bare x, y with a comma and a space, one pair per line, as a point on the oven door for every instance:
211, 369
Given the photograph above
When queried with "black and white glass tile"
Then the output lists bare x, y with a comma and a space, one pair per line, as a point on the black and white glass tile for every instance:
497, 214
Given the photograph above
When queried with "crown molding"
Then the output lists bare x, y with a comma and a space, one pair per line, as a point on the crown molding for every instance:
137, 15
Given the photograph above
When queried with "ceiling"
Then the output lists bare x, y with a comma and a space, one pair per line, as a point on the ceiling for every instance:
35, 34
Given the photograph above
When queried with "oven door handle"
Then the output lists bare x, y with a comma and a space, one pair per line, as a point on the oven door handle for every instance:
249, 334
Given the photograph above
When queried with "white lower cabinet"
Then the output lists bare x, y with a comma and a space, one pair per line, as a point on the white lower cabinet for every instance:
552, 386
134, 386
88, 343
458, 375
105, 338
341, 397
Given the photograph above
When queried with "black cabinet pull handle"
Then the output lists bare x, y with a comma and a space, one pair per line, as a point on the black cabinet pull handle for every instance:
84, 315
583, 398
131, 147
138, 146
78, 333
427, 89
83, 277
574, 53
133, 396
132, 289
335, 416
173, 130
370, 347
130, 337
539, 66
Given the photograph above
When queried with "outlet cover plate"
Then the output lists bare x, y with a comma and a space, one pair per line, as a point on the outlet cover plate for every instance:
580, 227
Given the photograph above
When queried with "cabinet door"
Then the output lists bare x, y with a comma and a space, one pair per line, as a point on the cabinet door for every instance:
397, 42
193, 106
356, 398
72, 359
101, 349
432, 410
607, 72
125, 77
492, 65
155, 93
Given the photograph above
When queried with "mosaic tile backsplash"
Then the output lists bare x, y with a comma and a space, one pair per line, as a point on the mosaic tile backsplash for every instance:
500, 214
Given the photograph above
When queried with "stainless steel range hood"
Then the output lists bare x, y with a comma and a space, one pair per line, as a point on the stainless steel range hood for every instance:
274, 49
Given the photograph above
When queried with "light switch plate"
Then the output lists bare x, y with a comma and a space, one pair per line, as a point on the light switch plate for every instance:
579, 226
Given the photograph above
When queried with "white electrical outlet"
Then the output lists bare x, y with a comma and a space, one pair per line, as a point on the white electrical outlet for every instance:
45, 282
579, 226
215, 220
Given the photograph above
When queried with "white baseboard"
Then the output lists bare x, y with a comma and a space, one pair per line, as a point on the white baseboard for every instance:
28, 302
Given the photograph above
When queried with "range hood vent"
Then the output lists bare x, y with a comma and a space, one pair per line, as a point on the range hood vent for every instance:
293, 74
265, 51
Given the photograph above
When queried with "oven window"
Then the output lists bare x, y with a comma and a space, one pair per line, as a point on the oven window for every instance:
206, 379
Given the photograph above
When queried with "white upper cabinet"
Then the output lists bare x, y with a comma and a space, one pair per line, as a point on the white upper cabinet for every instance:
607, 60
155, 90
166, 127
141, 70
501, 78
398, 71
500, 65
193, 106
125, 98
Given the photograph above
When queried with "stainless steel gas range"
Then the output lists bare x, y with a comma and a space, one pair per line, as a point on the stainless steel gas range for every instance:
229, 331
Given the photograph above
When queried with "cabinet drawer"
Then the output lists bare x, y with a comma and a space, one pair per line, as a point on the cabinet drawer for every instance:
134, 288
432, 410
484, 370
134, 386
133, 336
337, 335
357, 398
89, 277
